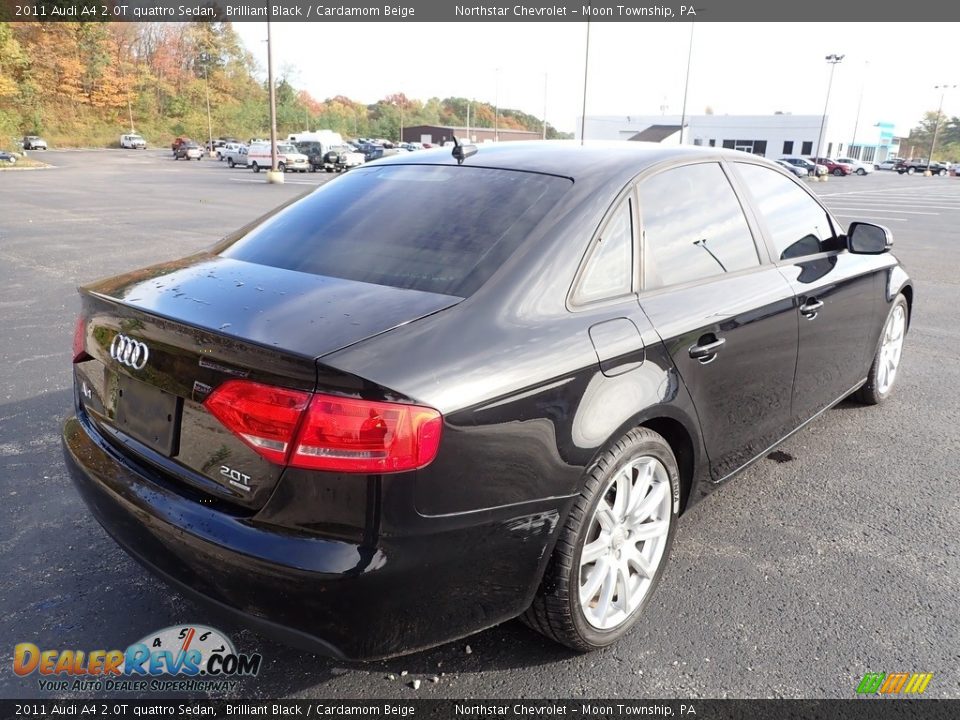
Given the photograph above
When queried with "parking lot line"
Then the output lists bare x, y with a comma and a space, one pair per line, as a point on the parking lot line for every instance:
879, 210
886, 219
264, 182
895, 203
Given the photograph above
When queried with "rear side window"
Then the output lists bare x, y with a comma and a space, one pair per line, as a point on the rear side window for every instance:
798, 226
609, 269
440, 229
693, 226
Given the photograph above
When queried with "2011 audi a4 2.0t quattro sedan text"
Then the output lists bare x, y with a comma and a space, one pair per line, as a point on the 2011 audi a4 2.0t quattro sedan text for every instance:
488, 394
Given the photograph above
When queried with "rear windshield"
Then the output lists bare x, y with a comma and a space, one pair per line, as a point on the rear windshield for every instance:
440, 229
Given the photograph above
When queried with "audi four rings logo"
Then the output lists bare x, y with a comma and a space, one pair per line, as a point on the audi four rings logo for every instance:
129, 352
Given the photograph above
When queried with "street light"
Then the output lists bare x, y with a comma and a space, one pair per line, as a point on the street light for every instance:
936, 126
206, 81
833, 59
496, 116
586, 74
686, 85
274, 176
856, 122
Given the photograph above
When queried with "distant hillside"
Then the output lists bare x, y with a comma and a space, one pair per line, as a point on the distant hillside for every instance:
83, 84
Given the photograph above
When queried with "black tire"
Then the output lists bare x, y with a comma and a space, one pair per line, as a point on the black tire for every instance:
861, 171
281, 167
870, 393
911, 171
556, 610
838, 172
942, 172
230, 162
256, 168
329, 169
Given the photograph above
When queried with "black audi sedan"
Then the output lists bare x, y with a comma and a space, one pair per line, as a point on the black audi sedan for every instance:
489, 394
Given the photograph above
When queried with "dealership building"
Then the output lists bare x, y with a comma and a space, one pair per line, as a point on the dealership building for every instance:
439, 134
771, 136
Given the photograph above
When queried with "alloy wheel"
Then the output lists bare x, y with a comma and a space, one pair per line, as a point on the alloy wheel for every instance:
891, 349
625, 542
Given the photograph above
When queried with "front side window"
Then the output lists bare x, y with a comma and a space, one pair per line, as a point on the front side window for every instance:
693, 226
797, 224
609, 269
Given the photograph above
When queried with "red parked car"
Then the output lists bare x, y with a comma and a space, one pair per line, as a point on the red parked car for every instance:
834, 167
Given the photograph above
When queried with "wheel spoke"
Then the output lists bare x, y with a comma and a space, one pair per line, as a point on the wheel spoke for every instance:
605, 516
649, 531
882, 375
595, 550
640, 488
594, 581
637, 561
622, 499
623, 586
649, 504
606, 591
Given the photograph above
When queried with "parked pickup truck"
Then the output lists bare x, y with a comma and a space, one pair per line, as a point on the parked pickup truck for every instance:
919, 165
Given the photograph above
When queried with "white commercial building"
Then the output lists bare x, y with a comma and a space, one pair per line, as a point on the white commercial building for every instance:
771, 136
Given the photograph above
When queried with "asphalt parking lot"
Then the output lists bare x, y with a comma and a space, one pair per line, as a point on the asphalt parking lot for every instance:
835, 557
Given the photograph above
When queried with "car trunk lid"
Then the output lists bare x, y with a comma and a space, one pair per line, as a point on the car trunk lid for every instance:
158, 341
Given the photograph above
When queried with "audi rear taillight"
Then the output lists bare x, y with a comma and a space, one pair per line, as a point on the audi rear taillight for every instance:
80, 341
326, 432
264, 417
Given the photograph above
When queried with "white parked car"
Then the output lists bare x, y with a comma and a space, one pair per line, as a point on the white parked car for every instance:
133, 141
889, 163
802, 162
859, 167
795, 169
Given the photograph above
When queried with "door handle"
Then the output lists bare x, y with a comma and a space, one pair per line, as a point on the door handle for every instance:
708, 348
810, 308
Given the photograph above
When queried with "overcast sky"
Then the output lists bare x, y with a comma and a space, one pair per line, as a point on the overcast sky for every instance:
635, 68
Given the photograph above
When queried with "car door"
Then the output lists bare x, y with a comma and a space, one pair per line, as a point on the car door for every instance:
725, 314
837, 292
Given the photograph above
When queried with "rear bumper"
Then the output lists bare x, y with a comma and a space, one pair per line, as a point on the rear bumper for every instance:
338, 598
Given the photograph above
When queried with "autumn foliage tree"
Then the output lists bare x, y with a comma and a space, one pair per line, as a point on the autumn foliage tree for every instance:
85, 83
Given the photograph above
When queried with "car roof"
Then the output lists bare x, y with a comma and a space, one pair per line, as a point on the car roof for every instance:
568, 158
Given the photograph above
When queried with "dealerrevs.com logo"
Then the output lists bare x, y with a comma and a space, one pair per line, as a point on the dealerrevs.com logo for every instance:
176, 659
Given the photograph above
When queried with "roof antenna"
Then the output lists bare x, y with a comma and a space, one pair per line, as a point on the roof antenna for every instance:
460, 151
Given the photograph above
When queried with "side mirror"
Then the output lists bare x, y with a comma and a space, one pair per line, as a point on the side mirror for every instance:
868, 239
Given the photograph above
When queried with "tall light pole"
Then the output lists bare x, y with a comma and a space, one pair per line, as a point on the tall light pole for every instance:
206, 82
496, 116
686, 85
936, 126
468, 122
833, 59
586, 70
544, 106
856, 122
273, 176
